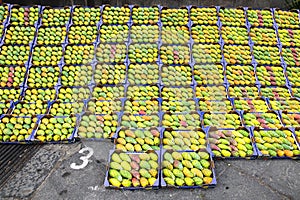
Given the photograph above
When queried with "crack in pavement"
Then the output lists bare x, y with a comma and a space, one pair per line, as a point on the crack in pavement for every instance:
260, 181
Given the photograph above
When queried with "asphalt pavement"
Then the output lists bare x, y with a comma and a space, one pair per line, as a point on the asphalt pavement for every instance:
57, 172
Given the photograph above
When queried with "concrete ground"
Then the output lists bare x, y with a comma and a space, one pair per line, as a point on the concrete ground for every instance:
48, 175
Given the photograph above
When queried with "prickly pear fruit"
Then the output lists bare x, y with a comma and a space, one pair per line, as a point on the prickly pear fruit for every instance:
153, 156
198, 181
187, 164
145, 173
115, 165
207, 180
197, 164
178, 173
203, 155
153, 172
186, 156
114, 182
134, 165
144, 164
195, 156
188, 181
144, 181
177, 155
168, 157
135, 157
187, 172
205, 163
197, 172
126, 183
169, 181
153, 164
125, 165
151, 181
135, 174
135, 182
115, 174
115, 157
225, 153
144, 156
125, 157
167, 164
178, 164
168, 173
206, 172
126, 174
179, 182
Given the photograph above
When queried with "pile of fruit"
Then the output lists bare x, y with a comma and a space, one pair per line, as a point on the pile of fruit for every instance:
206, 82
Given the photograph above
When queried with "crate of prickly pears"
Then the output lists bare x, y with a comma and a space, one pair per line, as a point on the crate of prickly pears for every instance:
4, 14
208, 74
237, 54
174, 17
12, 76
138, 140
260, 18
97, 127
10, 94
178, 106
142, 107
144, 33
181, 121
280, 143
145, 15
201, 15
73, 94
262, 120
290, 105
235, 35
251, 105
115, 15
287, 19
267, 55
187, 169
183, 140
289, 37
205, 34
232, 16
17, 129
55, 17
227, 120
133, 170
263, 36
292, 73
175, 54
24, 16
55, 129
231, 144
85, 16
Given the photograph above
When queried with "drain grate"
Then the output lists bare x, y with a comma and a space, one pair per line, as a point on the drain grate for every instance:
13, 158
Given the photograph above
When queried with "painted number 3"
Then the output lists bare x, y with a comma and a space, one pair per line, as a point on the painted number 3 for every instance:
85, 159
